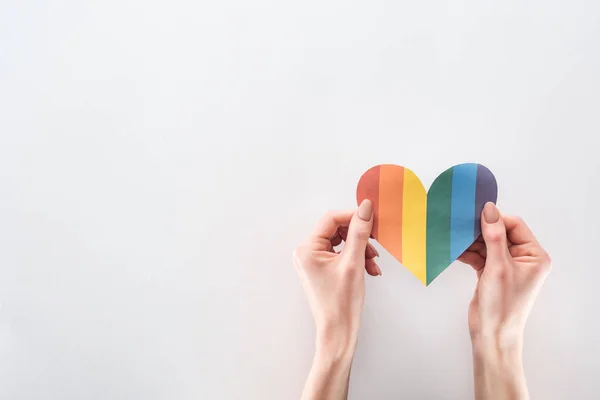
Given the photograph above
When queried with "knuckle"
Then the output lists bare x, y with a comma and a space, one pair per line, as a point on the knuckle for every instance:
494, 236
518, 220
330, 214
300, 255
349, 273
538, 270
295, 257
499, 273
362, 234
546, 264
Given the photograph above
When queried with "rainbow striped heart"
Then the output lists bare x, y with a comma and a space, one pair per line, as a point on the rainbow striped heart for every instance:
427, 231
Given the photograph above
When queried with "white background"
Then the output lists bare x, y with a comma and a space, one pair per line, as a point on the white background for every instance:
159, 160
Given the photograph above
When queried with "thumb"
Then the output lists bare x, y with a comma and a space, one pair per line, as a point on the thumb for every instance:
493, 232
359, 231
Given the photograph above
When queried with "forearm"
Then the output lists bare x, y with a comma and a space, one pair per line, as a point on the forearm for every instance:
330, 372
498, 370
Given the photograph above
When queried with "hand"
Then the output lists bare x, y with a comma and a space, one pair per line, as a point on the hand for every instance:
511, 267
335, 287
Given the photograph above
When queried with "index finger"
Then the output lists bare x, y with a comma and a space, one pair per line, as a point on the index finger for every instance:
517, 230
328, 225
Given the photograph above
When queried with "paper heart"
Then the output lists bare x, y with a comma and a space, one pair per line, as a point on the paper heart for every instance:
427, 231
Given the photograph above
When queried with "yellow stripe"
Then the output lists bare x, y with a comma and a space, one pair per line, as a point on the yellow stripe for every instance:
414, 226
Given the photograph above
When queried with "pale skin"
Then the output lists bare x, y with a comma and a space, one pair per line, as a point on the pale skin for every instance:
511, 267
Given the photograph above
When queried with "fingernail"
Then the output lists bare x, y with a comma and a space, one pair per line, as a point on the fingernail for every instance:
378, 269
365, 210
376, 252
490, 213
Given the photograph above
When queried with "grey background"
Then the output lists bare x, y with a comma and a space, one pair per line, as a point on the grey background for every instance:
160, 160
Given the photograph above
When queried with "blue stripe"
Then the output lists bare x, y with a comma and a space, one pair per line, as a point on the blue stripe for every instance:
462, 214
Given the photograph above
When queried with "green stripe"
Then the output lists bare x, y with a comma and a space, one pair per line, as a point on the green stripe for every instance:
438, 225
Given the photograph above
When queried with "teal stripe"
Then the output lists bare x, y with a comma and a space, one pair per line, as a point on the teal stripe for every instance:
438, 225
462, 219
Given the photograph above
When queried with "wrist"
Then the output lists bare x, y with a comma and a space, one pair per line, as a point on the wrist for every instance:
330, 372
498, 353
498, 368
497, 342
335, 345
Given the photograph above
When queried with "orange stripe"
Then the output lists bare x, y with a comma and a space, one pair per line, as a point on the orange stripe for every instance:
368, 188
391, 183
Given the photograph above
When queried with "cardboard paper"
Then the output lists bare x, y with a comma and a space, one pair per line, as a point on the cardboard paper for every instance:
427, 231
